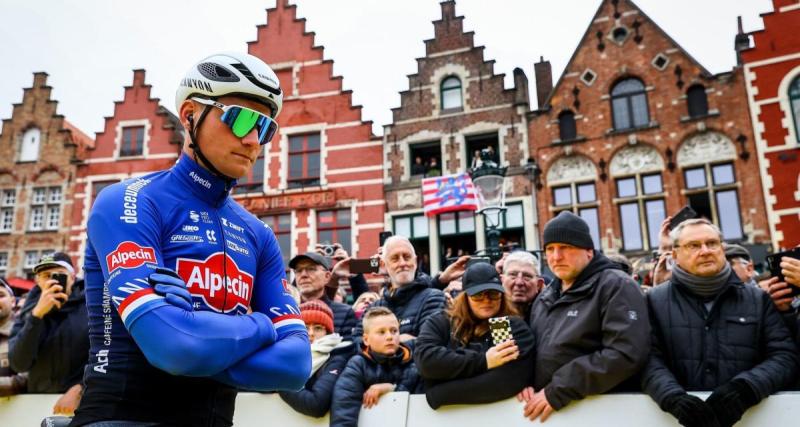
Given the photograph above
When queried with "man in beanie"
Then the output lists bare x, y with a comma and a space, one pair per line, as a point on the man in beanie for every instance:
591, 326
329, 355
711, 332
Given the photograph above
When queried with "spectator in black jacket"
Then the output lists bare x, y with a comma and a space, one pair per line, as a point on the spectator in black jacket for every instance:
410, 295
711, 332
521, 280
11, 383
455, 350
591, 326
385, 365
329, 355
50, 338
311, 274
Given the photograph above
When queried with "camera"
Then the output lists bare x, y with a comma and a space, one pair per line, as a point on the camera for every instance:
328, 250
61, 278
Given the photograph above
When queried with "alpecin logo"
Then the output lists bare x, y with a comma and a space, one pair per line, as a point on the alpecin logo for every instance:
129, 255
205, 279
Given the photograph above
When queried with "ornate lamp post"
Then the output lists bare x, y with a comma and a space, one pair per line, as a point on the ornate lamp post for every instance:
488, 179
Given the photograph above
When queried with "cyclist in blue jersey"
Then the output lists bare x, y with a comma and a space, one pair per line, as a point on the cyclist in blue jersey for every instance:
186, 292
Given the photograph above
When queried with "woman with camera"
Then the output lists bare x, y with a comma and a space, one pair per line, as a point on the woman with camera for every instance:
479, 344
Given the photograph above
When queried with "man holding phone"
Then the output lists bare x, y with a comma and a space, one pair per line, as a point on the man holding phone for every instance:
50, 339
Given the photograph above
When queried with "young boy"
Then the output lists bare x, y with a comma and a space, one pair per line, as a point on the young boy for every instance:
384, 366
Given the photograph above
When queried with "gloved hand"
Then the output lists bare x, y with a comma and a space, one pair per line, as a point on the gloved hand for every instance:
730, 401
690, 411
168, 284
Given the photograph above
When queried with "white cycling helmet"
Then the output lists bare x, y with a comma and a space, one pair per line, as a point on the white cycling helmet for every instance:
232, 73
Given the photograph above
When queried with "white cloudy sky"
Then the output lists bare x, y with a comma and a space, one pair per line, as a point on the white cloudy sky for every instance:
89, 47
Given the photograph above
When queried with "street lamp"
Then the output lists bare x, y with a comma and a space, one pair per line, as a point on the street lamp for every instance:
488, 179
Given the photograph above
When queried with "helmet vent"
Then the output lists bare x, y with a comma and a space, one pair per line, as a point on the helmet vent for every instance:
216, 72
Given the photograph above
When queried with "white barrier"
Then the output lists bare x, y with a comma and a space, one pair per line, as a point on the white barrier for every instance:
404, 410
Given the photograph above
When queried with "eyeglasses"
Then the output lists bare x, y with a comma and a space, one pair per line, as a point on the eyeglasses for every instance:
491, 295
528, 277
309, 270
242, 120
711, 245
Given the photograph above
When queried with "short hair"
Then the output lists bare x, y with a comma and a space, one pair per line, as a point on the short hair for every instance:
393, 239
522, 257
676, 232
374, 312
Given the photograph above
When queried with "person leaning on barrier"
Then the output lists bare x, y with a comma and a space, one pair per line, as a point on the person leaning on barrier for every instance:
590, 323
455, 350
11, 383
329, 355
711, 332
521, 281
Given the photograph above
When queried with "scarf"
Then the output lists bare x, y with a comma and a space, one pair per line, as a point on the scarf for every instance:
321, 350
704, 287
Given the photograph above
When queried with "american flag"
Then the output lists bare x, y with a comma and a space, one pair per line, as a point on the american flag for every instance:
449, 193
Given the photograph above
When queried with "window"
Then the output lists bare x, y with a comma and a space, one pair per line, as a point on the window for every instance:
482, 142
334, 227
7, 202
29, 146
45, 209
281, 225
640, 199
426, 159
580, 199
697, 101
31, 259
132, 141
588, 77
3, 264
456, 235
567, 130
451, 93
660, 61
712, 193
98, 186
512, 227
629, 104
619, 34
304, 160
794, 100
415, 228
254, 180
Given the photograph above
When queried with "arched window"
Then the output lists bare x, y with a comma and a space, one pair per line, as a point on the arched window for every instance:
697, 101
567, 130
451, 93
629, 104
29, 146
794, 99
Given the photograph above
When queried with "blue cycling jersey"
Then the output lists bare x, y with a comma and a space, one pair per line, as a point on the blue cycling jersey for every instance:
152, 361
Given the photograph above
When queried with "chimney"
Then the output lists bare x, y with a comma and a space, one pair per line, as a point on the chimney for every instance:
544, 80
741, 42
520, 87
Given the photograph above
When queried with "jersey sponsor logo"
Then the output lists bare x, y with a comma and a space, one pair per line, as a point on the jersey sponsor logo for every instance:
129, 255
130, 200
231, 225
185, 238
198, 180
236, 248
205, 279
211, 235
234, 236
194, 216
190, 228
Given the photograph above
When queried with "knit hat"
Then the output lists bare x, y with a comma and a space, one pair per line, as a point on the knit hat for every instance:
317, 312
568, 228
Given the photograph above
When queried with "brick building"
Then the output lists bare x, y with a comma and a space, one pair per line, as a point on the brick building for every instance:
39, 153
140, 137
321, 178
772, 74
635, 128
456, 104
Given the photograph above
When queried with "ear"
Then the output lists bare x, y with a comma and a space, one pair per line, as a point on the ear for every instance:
327, 276
188, 109
365, 339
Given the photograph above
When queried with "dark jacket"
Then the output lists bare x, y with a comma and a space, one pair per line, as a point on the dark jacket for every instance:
741, 337
449, 367
592, 337
314, 399
344, 318
53, 350
412, 304
364, 370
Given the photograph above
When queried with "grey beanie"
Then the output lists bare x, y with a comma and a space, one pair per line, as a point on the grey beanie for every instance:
568, 228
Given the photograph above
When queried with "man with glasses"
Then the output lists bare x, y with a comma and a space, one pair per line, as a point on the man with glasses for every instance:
741, 263
311, 275
713, 333
187, 297
521, 280
590, 323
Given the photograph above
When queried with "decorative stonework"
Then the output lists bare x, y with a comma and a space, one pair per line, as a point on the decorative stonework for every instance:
409, 199
570, 169
636, 159
704, 148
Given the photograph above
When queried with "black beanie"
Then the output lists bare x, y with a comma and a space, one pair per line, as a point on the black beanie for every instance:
568, 228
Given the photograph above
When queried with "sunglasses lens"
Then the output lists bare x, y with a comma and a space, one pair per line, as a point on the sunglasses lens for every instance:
267, 132
245, 122
242, 121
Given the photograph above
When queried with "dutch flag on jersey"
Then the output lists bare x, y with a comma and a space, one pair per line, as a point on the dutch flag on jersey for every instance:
448, 194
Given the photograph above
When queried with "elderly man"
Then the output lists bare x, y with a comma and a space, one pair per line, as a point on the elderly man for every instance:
10, 382
741, 263
50, 338
711, 332
410, 295
590, 323
521, 280
312, 274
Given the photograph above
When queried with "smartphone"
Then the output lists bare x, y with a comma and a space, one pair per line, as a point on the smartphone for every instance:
369, 265
500, 328
383, 236
774, 264
686, 213
477, 259
61, 278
